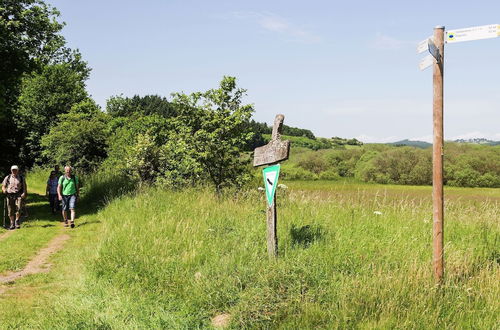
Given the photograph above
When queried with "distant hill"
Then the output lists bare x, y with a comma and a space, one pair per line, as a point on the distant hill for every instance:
478, 141
417, 144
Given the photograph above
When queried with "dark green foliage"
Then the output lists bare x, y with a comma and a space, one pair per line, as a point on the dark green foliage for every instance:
295, 131
29, 38
79, 139
202, 139
44, 96
262, 135
257, 140
119, 106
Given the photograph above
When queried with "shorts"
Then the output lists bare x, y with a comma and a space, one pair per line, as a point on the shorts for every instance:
14, 203
68, 202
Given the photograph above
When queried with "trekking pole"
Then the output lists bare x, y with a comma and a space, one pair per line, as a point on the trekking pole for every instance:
4, 211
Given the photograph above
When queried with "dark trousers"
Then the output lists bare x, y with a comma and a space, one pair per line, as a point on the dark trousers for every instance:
54, 202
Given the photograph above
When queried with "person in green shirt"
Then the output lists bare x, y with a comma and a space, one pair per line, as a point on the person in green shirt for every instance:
68, 190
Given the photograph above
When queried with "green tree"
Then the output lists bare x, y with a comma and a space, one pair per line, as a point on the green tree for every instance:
44, 96
29, 38
80, 137
119, 106
215, 125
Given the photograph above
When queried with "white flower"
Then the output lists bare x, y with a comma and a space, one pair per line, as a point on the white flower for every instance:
377, 213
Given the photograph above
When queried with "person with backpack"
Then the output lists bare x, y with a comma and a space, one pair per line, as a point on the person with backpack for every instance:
58, 171
14, 186
68, 191
51, 191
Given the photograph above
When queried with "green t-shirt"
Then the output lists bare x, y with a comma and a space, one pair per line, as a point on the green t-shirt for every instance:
68, 185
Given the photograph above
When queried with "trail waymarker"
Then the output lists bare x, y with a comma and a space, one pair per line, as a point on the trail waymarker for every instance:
473, 33
426, 62
423, 46
272, 153
435, 45
271, 175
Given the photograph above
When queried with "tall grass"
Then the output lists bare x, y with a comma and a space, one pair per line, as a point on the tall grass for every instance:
36, 179
350, 256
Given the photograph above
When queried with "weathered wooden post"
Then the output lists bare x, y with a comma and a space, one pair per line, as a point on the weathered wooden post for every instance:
272, 153
437, 155
435, 46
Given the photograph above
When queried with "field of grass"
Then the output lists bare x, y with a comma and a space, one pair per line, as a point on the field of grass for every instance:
350, 256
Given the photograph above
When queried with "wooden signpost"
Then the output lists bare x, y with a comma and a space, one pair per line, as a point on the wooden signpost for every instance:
272, 153
435, 46
437, 155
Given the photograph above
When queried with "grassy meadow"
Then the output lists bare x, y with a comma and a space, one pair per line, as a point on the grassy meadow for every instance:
351, 255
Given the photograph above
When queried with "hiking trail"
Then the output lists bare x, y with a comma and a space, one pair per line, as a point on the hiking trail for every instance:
38, 264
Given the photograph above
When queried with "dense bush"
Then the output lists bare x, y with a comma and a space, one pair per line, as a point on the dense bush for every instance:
203, 141
79, 139
404, 165
465, 165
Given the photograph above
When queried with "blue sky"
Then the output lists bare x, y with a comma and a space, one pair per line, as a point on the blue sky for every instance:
346, 69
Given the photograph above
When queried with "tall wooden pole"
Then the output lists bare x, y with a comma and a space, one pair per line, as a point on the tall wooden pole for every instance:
437, 157
272, 235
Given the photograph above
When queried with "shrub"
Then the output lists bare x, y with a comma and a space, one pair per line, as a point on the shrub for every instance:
297, 173
331, 174
79, 139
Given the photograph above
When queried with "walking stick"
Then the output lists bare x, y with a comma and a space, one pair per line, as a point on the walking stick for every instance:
4, 211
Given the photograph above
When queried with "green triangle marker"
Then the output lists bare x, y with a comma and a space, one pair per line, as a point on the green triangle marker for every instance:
271, 175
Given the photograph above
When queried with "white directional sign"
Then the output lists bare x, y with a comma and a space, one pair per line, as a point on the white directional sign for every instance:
423, 45
426, 62
473, 33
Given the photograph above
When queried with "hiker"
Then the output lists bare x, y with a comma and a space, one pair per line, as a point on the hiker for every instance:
58, 171
14, 186
51, 191
58, 174
68, 190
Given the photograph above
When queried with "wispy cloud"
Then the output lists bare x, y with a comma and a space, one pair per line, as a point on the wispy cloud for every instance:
277, 24
385, 42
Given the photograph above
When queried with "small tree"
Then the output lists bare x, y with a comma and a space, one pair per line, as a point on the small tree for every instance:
215, 125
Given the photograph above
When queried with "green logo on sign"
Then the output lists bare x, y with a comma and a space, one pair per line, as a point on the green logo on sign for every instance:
271, 175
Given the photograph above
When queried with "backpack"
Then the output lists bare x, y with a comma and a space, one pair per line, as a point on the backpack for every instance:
72, 178
21, 180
